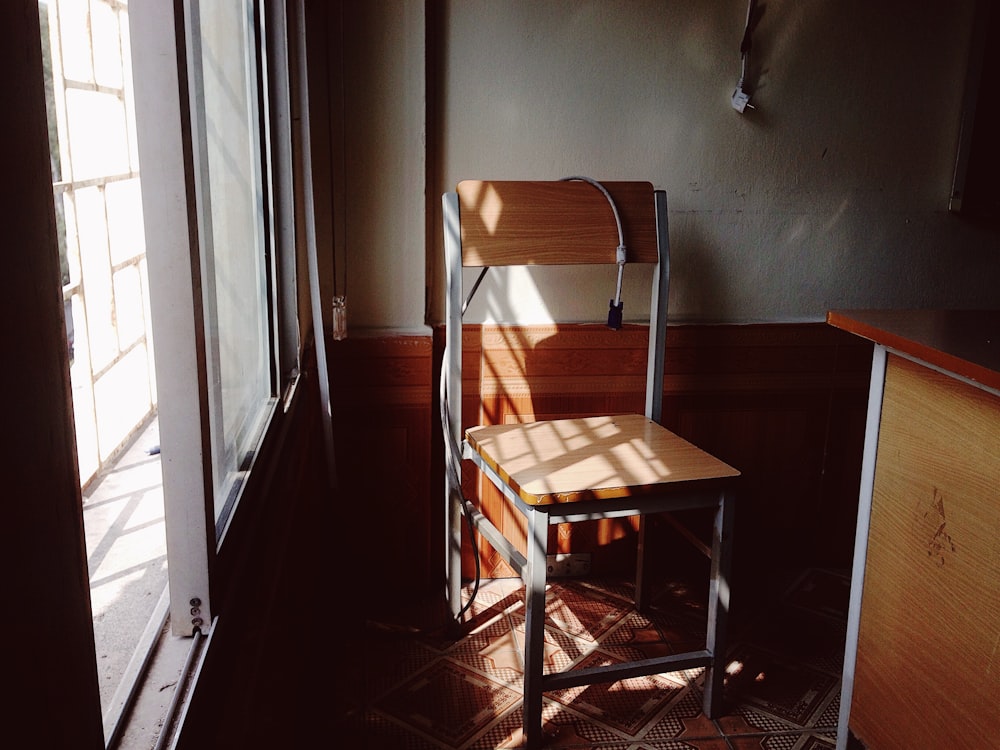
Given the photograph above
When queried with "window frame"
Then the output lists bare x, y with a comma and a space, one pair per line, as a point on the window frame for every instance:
250, 418
168, 159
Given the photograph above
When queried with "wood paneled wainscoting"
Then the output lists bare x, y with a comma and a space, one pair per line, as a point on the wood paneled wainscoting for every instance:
784, 403
383, 397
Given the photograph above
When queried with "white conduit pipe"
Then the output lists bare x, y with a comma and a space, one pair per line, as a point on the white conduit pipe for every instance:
310, 226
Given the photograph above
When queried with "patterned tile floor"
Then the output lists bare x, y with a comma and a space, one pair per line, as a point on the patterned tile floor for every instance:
409, 689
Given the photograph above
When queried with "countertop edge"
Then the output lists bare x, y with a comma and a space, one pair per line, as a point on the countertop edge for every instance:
878, 326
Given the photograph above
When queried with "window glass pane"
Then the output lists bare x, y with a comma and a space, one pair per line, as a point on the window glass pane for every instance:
234, 255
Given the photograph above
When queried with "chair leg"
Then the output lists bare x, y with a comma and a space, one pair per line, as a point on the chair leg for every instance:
453, 551
718, 605
534, 628
641, 580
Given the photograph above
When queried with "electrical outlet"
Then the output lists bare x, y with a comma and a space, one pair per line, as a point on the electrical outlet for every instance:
566, 565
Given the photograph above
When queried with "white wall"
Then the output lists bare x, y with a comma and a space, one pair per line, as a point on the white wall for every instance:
380, 233
833, 192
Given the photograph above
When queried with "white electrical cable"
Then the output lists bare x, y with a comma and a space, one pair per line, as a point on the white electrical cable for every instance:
611, 201
741, 99
745, 45
614, 316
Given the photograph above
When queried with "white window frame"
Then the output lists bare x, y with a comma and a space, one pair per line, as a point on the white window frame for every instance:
164, 118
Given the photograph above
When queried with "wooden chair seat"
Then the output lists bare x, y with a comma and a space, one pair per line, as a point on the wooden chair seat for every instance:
592, 458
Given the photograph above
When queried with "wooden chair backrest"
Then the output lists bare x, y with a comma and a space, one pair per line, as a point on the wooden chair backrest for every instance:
567, 222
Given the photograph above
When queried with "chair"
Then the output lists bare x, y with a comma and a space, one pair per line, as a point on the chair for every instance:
565, 476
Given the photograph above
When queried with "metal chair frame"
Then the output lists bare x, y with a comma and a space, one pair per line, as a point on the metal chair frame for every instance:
531, 206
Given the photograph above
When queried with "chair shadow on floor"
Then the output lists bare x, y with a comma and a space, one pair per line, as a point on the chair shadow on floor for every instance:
414, 684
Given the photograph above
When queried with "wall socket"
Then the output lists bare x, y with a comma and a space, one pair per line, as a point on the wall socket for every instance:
568, 564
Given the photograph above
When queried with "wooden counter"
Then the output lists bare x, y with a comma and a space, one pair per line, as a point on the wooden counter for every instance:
963, 342
922, 663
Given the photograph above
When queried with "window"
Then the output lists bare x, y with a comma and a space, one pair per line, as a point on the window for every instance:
214, 141
95, 173
229, 159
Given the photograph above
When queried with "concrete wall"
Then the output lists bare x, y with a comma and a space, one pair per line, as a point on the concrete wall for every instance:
832, 192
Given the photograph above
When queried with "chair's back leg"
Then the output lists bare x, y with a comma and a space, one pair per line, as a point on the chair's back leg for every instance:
658, 301
451, 395
655, 365
718, 604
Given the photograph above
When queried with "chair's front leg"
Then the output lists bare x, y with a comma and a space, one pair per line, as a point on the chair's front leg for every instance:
534, 627
718, 604
641, 580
